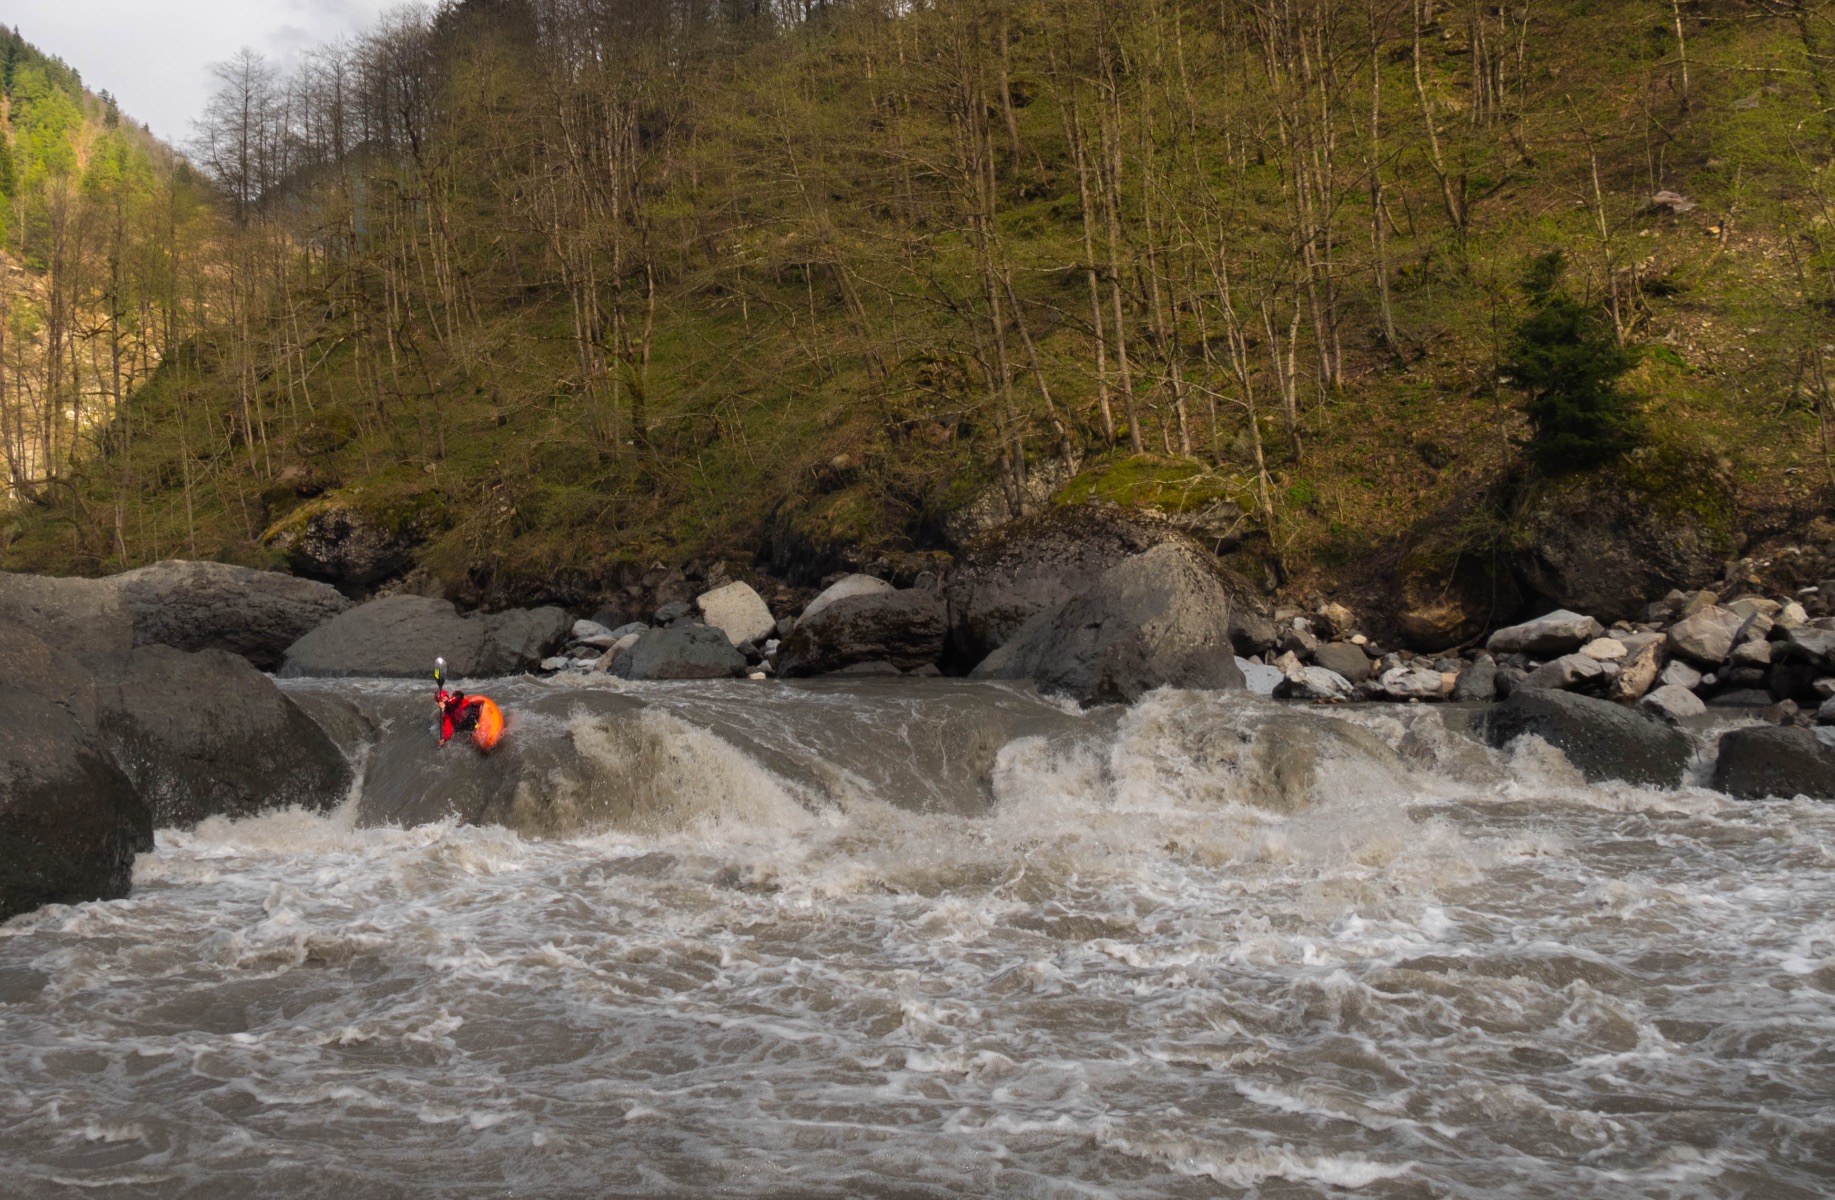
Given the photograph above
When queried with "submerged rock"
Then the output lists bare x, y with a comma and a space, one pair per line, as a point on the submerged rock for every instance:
1160, 618
1604, 740
1771, 760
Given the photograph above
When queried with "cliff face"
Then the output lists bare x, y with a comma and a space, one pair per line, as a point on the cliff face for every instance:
501, 314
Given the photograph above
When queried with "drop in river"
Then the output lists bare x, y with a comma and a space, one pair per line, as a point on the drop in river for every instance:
901, 941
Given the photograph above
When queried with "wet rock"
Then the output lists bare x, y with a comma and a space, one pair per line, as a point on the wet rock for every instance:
1604, 542
1477, 684
845, 588
1160, 618
1638, 676
1673, 704
1559, 632
1348, 661
70, 823
1315, 683
206, 734
739, 612
1567, 673
1740, 697
400, 636
680, 652
216, 606
1258, 677
1037, 564
1603, 740
1705, 637
1770, 760
904, 628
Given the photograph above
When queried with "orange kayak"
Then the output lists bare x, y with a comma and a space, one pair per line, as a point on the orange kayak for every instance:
489, 729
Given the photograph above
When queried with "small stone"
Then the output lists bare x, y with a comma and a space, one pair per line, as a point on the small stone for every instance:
1752, 654
556, 663
1315, 683
1559, 632
1477, 684
1358, 639
670, 613
1825, 715
1674, 704
1339, 619
1696, 602
1606, 650
1566, 673
1413, 683
1793, 616
1638, 675
1680, 674
758, 676
1705, 636
1289, 664
584, 631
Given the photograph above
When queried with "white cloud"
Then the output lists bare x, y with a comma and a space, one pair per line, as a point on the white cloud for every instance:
155, 58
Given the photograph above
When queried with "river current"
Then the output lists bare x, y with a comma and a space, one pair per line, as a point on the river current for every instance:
1205, 947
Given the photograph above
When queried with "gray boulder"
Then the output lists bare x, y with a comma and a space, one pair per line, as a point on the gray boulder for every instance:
1673, 704
846, 588
680, 652
1773, 760
86, 618
1260, 678
1567, 673
1413, 683
906, 629
206, 734
1809, 644
1344, 660
400, 636
1036, 564
1679, 674
1477, 684
1160, 618
1604, 740
70, 823
1560, 632
1706, 637
216, 606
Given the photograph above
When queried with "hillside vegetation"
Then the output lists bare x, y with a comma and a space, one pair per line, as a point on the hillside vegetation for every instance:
532, 293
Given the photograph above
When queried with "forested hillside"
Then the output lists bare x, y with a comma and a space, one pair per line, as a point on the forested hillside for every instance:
522, 294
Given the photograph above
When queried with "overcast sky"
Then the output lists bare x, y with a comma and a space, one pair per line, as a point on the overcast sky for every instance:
155, 55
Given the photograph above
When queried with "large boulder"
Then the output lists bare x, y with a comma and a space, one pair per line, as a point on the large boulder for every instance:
1036, 564
1774, 760
845, 588
681, 652
1606, 542
1604, 740
1559, 632
737, 611
85, 618
1159, 618
216, 606
400, 636
70, 823
346, 542
206, 734
905, 629
1344, 660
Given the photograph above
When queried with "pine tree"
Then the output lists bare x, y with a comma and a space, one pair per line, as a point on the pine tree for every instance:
1567, 360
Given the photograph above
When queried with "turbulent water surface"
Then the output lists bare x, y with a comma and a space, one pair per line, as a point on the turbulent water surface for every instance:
1200, 948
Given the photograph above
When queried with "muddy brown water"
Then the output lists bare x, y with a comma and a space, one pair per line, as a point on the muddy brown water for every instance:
861, 940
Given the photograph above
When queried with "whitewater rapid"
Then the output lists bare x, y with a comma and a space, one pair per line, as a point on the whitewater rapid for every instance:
1163, 955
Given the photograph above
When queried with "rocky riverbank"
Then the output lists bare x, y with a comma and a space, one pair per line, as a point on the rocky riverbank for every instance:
140, 701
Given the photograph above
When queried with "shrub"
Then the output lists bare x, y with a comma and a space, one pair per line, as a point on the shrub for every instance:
1563, 355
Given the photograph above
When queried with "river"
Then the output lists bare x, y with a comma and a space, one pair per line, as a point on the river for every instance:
1208, 946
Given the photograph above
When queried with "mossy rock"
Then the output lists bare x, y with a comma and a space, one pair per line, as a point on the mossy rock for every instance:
361, 536
1608, 542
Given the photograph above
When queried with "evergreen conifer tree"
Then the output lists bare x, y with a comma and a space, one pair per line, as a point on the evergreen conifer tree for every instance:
1569, 363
